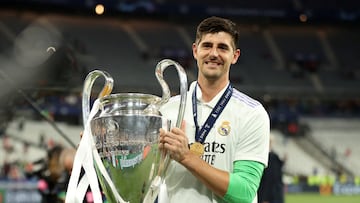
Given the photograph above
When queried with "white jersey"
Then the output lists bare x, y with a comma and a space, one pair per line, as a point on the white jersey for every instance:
240, 133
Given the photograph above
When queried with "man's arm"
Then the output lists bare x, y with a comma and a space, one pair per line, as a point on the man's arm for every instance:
240, 186
244, 181
245, 178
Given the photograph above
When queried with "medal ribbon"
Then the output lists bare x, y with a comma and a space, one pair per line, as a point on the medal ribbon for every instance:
200, 134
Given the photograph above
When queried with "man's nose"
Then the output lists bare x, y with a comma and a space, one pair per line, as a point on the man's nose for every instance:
214, 52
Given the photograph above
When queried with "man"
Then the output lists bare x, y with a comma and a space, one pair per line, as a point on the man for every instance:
219, 153
271, 189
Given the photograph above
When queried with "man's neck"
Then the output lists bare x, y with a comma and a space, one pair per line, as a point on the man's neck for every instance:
210, 89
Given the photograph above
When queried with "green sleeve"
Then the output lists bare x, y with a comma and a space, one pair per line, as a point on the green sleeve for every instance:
244, 182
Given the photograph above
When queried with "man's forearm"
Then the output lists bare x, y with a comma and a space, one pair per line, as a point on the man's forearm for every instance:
215, 179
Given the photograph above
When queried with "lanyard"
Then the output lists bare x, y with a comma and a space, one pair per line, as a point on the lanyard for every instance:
200, 134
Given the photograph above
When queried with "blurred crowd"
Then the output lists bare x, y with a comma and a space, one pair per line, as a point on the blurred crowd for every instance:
51, 172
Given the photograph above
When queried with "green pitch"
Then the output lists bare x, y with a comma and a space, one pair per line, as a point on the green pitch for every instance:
316, 198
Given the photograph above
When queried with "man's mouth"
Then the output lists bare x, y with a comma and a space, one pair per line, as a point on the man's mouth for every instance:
212, 63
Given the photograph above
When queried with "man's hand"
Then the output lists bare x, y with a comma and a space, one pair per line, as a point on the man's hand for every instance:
175, 143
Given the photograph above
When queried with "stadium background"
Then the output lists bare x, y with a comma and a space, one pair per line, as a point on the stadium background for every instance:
300, 58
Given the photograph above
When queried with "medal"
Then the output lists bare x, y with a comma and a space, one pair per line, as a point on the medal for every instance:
197, 148
200, 134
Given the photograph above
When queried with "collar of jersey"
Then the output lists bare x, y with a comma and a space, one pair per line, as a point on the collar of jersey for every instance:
211, 103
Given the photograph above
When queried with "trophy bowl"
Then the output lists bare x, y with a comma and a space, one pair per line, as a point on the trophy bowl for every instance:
126, 138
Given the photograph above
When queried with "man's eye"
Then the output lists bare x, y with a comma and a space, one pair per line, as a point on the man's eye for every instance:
223, 47
206, 45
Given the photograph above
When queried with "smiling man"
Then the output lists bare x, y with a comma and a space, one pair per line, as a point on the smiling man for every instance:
221, 150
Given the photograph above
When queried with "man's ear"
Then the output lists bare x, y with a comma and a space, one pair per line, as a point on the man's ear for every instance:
194, 49
236, 56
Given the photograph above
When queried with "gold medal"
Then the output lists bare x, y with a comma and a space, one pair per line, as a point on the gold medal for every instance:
197, 148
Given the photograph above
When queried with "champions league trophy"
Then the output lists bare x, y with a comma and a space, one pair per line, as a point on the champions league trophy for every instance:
119, 146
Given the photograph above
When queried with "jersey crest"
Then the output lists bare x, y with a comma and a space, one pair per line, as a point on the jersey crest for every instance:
224, 128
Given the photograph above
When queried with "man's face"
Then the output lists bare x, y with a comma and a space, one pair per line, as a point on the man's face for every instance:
214, 54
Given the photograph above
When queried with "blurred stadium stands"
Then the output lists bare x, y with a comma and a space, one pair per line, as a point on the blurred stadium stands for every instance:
306, 71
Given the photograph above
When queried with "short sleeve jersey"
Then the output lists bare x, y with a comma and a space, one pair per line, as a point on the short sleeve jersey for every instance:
241, 132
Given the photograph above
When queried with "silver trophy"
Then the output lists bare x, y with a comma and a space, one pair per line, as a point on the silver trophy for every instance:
125, 133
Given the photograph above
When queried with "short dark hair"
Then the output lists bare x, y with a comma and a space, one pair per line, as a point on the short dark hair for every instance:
217, 24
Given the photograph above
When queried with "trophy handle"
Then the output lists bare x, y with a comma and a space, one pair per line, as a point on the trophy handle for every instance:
160, 68
88, 84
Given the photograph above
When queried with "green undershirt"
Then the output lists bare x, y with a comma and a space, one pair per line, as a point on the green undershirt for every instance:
244, 182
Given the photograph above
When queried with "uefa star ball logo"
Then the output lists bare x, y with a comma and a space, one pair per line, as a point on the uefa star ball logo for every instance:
225, 128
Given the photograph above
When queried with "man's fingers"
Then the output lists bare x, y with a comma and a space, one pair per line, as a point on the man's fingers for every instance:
183, 125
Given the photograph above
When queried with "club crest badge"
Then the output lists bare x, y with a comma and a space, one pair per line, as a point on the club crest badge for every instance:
225, 128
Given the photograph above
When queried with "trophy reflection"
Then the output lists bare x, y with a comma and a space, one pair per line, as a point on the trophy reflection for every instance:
124, 136
128, 146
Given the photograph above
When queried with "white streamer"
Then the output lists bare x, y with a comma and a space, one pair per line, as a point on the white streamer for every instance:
163, 194
85, 156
